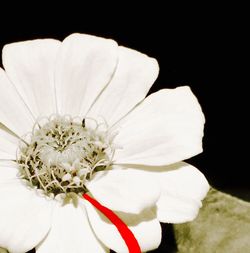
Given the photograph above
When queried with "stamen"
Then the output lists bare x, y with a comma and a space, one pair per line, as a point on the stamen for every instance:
61, 154
125, 232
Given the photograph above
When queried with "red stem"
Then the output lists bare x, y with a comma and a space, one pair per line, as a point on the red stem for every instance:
123, 229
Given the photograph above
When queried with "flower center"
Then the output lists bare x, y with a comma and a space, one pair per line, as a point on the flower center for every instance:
61, 154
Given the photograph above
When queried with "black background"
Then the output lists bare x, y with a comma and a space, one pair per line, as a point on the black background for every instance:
204, 47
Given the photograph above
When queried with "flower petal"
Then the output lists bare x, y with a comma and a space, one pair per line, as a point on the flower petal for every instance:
4, 155
124, 190
70, 232
9, 144
85, 66
145, 227
167, 127
8, 171
25, 217
14, 113
30, 66
182, 189
135, 74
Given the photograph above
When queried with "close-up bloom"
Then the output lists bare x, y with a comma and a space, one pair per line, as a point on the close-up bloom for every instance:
76, 127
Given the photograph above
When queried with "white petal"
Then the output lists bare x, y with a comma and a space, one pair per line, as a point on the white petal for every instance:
70, 232
167, 127
25, 217
4, 155
8, 171
85, 65
145, 227
30, 66
9, 144
135, 74
124, 190
13, 114
182, 189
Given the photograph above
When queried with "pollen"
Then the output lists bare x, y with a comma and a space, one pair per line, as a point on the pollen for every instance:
61, 154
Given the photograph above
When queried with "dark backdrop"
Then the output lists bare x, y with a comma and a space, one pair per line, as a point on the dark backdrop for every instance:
204, 49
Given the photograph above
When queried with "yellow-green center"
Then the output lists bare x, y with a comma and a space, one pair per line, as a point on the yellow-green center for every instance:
61, 155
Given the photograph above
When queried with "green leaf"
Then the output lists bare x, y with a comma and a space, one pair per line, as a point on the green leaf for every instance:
223, 225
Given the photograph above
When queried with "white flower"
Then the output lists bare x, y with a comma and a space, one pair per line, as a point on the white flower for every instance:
74, 119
